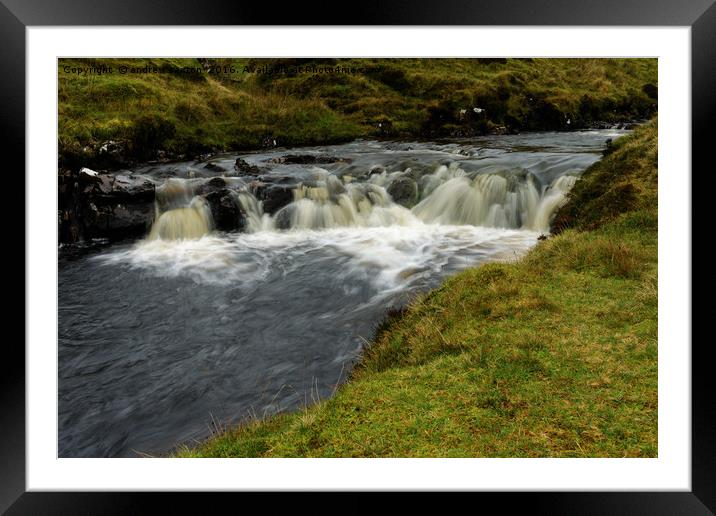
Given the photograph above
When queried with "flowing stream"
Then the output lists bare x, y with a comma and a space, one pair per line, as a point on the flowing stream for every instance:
163, 338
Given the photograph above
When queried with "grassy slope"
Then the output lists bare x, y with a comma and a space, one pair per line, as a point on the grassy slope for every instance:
408, 97
551, 356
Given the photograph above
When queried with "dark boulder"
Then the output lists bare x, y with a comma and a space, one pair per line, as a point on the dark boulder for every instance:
602, 125
95, 205
307, 159
376, 169
273, 196
247, 169
214, 167
124, 187
283, 217
404, 191
216, 181
212, 185
226, 211
117, 220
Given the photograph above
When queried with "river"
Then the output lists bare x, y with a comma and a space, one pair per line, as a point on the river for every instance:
163, 338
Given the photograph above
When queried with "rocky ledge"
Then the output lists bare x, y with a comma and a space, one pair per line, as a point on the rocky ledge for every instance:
93, 205
117, 205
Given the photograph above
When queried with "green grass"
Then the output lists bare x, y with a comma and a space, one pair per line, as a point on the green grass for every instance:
554, 355
407, 97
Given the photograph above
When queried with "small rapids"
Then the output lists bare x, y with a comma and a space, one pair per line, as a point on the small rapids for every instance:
512, 200
332, 205
193, 324
193, 221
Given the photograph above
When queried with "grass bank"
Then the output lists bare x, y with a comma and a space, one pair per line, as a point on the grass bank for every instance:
554, 355
156, 109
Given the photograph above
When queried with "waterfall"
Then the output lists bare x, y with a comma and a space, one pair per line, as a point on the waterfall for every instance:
173, 193
179, 214
514, 200
431, 181
193, 221
330, 203
509, 199
256, 219
488, 200
450, 197
554, 198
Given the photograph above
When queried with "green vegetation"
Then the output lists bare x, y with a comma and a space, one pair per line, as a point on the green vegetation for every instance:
188, 113
628, 183
554, 355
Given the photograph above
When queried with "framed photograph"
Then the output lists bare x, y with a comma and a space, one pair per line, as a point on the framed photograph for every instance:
444, 249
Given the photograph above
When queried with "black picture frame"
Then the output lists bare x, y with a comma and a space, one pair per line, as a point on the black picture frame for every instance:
700, 15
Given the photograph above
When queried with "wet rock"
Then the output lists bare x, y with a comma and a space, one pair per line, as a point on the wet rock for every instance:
217, 181
116, 221
273, 196
226, 211
247, 169
416, 173
283, 218
212, 185
307, 159
279, 180
123, 187
404, 191
214, 167
89, 176
376, 169
96, 205
602, 125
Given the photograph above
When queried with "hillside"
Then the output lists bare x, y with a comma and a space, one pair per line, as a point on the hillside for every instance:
145, 109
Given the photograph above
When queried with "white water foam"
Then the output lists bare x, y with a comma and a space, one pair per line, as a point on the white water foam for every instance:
389, 257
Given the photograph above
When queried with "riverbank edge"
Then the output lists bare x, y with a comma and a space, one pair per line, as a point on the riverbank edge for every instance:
545, 356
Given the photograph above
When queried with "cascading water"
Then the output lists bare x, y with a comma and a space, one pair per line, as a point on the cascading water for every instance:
513, 200
192, 323
331, 204
256, 219
551, 200
178, 213
450, 197
194, 221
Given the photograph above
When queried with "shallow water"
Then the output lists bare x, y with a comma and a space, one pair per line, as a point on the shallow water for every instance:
159, 338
